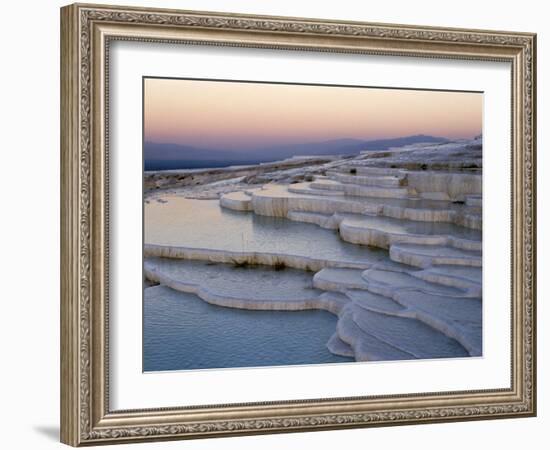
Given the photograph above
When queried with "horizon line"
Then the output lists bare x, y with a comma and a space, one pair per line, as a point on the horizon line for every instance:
365, 140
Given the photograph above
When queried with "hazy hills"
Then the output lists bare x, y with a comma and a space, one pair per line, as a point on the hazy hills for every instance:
175, 156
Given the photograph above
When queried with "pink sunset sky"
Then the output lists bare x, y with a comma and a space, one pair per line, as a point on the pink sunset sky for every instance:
241, 115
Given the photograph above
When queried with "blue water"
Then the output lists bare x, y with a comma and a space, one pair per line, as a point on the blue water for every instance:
158, 164
204, 224
181, 331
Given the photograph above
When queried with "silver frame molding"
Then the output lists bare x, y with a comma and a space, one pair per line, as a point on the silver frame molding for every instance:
86, 31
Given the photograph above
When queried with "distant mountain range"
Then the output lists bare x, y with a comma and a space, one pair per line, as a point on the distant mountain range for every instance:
175, 156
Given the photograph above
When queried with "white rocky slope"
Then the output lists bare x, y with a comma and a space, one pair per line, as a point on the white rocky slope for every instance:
420, 203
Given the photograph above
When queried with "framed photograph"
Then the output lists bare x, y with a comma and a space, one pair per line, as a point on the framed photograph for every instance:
276, 224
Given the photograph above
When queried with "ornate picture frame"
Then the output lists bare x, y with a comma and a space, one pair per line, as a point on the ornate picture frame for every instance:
86, 34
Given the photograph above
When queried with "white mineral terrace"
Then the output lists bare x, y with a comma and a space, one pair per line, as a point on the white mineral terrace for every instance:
395, 254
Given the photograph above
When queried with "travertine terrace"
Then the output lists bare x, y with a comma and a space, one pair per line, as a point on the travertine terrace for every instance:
407, 281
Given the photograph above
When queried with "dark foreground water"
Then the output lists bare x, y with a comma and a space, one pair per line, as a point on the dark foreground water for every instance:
181, 331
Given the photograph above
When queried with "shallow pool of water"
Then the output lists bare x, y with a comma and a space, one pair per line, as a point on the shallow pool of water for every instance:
182, 332
204, 224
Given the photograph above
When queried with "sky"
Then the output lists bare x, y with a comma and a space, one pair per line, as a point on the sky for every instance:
239, 115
